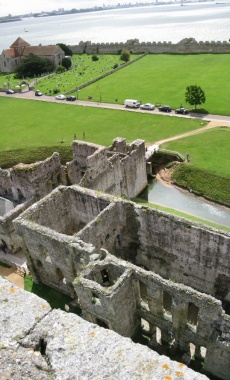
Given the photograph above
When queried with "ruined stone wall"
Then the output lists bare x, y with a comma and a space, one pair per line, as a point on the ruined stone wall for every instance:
104, 230
181, 250
103, 173
126, 286
119, 169
144, 297
50, 235
8, 234
110, 303
134, 169
37, 178
77, 167
5, 183
52, 344
185, 46
26, 183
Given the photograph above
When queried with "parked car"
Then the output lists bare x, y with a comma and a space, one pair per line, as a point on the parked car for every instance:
147, 106
165, 109
60, 97
182, 111
71, 98
131, 103
9, 91
38, 93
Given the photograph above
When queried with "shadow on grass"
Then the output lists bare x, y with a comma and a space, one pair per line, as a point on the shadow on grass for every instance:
199, 111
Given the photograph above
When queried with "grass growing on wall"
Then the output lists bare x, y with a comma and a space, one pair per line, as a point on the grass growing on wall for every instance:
57, 300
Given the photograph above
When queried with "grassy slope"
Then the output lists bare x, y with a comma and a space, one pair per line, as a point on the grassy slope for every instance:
163, 78
207, 173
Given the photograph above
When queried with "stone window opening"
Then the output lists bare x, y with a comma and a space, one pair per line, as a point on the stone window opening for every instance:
102, 323
144, 302
192, 316
158, 336
167, 302
95, 299
145, 327
60, 275
39, 263
105, 277
203, 351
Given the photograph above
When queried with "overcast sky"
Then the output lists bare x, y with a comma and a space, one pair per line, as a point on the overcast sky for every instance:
16, 7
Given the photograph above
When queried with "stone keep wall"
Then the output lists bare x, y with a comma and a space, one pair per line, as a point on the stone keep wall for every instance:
38, 178
185, 46
54, 251
109, 283
25, 183
185, 252
131, 292
52, 344
119, 169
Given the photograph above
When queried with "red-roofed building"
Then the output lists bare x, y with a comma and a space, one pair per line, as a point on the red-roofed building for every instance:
11, 58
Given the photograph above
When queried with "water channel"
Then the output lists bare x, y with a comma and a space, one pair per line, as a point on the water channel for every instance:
169, 196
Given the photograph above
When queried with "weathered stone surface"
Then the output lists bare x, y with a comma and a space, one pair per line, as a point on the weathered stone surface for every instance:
23, 364
62, 346
77, 349
19, 312
113, 287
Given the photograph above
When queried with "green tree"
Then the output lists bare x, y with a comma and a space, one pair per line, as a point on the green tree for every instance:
60, 69
67, 63
66, 49
33, 65
95, 57
125, 55
194, 95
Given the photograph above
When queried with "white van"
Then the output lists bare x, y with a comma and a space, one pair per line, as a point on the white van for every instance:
132, 103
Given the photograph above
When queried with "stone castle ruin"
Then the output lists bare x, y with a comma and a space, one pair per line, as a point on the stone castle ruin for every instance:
131, 269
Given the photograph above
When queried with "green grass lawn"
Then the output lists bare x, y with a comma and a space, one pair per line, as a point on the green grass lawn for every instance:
208, 151
207, 173
56, 299
27, 124
162, 78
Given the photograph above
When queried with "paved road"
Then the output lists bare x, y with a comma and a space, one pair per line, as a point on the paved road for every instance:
30, 95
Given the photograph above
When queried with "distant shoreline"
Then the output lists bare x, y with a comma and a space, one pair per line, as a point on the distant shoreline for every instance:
12, 19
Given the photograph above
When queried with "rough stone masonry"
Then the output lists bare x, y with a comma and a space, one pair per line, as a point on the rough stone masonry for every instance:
131, 269
43, 344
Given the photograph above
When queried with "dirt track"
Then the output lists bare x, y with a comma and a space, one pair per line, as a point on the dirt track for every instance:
11, 275
212, 124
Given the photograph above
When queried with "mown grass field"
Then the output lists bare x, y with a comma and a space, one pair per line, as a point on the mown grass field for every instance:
31, 124
162, 78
